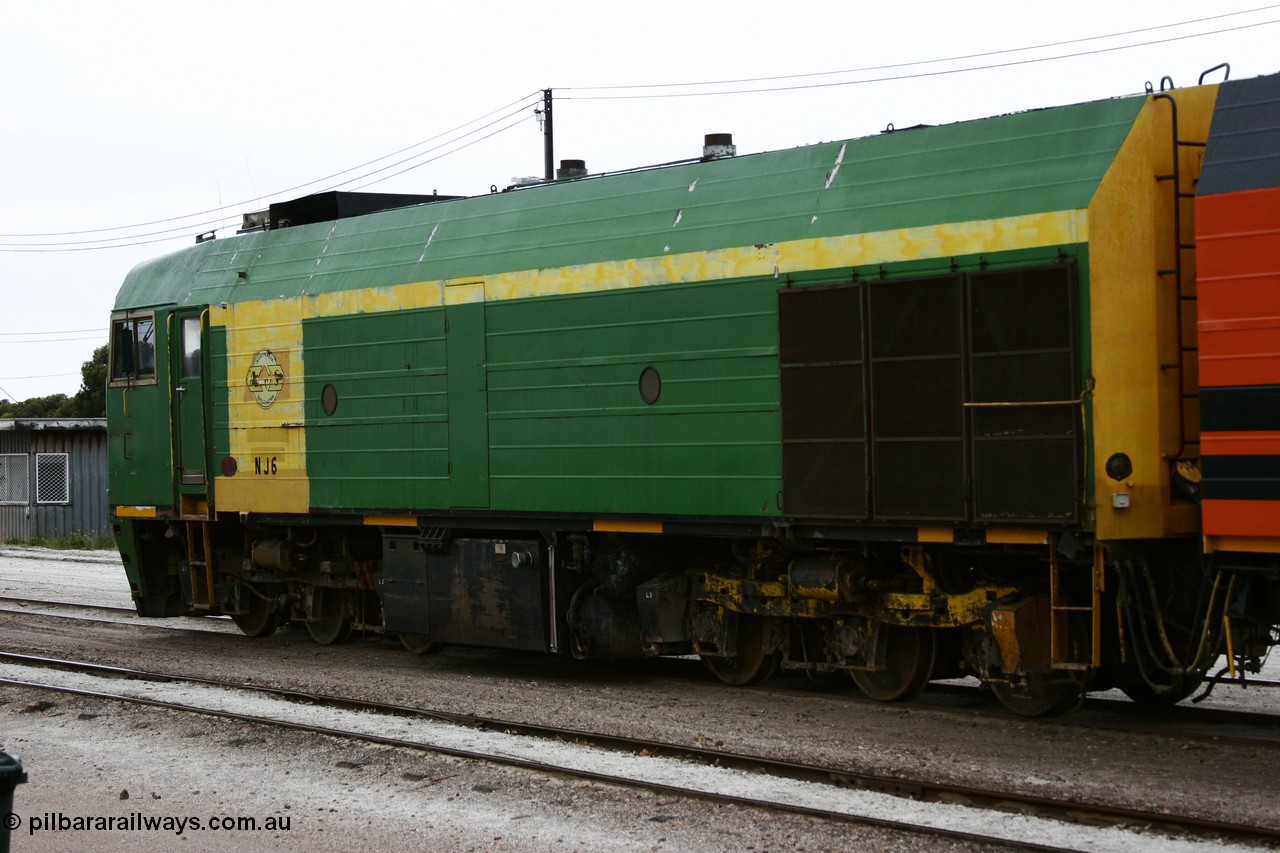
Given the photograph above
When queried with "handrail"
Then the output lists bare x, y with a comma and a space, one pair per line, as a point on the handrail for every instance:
1079, 401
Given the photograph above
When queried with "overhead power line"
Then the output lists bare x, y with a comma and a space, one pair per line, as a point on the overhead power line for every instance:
445, 154
186, 229
101, 337
36, 243
957, 58
895, 77
42, 334
40, 376
521, 103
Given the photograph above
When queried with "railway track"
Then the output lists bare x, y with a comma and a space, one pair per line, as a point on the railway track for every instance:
833, 778
8, 602
1185, 721
110, 613
1200, 723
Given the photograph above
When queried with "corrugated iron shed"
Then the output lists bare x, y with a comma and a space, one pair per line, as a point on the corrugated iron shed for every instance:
53, 478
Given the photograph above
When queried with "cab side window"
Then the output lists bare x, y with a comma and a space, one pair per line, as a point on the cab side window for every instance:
133, 348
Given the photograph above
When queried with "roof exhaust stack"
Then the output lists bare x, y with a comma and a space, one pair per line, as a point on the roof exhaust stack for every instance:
571, 169
718, 146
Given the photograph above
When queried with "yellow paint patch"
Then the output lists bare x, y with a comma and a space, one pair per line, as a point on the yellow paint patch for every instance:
463, 292
617, 526
135, 512
266, 438
391, 521
1017, 537
420, 294
935, 534
1256, 545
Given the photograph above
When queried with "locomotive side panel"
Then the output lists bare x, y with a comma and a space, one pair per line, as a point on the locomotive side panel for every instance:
378, 411
648, 400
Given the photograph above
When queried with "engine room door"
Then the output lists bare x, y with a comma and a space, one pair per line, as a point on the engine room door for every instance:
188, 400
468, 403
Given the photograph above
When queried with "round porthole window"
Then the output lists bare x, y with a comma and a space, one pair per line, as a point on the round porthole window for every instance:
329, 399
650, 385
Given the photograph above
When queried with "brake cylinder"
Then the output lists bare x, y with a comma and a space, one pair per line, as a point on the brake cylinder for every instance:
824, 579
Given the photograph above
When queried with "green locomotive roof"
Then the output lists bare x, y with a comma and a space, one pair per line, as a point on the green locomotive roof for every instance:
1025, 163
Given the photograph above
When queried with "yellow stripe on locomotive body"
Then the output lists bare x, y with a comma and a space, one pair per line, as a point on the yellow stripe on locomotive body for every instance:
778, 259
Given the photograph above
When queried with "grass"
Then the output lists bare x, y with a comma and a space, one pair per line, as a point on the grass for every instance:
75, 542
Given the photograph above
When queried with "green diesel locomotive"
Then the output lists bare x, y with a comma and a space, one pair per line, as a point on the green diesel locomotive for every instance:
907, 406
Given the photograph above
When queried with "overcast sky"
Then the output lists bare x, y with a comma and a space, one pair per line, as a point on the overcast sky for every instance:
186, 115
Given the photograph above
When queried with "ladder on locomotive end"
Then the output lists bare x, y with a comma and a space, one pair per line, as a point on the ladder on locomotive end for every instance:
1067, 649
1182, 276
200, 566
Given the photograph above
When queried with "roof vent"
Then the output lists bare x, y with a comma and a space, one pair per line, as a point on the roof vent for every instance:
571, 169
717, 146
256, 220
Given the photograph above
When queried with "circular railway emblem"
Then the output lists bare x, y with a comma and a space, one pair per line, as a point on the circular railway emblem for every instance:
265, 378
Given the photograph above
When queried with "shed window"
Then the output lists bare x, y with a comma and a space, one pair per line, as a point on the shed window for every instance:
14, 486
133, 348
53, 478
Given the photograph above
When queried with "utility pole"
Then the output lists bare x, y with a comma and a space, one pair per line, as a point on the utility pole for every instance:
548, 142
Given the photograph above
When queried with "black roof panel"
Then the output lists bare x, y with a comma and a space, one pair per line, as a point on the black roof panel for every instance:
1243, 152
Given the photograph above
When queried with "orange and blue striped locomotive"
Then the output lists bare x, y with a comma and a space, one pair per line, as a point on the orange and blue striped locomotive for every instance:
993, 398
1237, 210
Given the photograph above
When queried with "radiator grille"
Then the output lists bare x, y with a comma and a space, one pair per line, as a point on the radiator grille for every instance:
823, 402
948, 399
917, 399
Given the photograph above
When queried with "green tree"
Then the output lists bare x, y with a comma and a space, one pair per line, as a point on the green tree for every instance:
51, 406
89, 402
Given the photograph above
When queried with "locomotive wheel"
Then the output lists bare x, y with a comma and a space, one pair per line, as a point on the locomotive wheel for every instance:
752, 664
909, 665
332, 612
260, 619
1045, 699
419, 644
